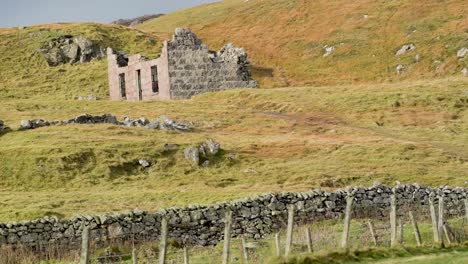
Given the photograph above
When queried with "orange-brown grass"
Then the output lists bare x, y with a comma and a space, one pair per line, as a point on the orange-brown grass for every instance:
286, 39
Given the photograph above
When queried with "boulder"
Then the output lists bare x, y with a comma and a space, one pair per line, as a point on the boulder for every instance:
404, 49
69, 49
33, 124
192, 154
211, 147
202, 153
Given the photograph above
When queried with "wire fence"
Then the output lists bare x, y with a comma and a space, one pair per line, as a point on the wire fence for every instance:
414, 226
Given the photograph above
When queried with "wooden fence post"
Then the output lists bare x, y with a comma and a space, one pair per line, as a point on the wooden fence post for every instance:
309, 239
417, 235
393, 220
134, 256
289, 231
466, 211
372, 231
227, 236
244, 250
163, 243
440, 223
435, 230
85, 258
447, 235
401, 230
347, 221
186, 255
278, 244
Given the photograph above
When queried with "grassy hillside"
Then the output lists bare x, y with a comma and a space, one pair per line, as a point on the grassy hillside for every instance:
24, 73
286, 39
284, 139
281, 139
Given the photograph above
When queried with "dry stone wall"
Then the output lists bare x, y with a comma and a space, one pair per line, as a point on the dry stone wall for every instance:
203, 225
194, 69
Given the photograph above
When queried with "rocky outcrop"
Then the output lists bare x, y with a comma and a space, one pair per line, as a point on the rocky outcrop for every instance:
132, 22
405, 49
201, 154
3, 127
69, 49
35, 123
255, 217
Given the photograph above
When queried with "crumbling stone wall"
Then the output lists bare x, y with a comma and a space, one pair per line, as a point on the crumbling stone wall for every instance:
185, 68
194, 69
203, 225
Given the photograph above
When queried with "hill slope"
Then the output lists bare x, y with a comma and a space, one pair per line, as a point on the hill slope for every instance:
286, 40
24, 72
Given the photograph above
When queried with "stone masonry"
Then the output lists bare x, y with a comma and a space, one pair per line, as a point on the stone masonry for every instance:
254, 217
185, 68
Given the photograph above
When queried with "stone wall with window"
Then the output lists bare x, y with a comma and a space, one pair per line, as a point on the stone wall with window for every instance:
186, 68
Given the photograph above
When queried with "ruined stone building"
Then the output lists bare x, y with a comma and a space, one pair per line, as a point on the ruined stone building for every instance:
185, 68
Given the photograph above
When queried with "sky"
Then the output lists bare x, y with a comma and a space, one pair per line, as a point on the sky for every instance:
15, 13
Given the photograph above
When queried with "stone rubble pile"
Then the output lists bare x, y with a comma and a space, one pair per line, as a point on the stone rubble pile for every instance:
201, 154
255, 217
90, 119
3, 127
35, 123
163, 122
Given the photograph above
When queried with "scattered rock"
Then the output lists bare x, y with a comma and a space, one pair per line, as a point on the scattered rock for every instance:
465, 71
168, 124
144, 163
90, 119
33, 124
206, 163
461, 53
328, 50
211, 147
192, 154
163, 123
86, 98
366, 16
250, 171
203, 152
404, 49
3, 127
400, 68
70, 49
171, 147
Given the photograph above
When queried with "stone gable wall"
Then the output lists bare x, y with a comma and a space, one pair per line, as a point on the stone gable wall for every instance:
194, 69
203, 225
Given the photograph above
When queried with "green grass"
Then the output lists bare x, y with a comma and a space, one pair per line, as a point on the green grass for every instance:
24, 73
285, 39
288, 139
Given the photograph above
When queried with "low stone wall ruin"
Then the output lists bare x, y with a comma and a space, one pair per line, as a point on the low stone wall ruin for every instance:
203, 225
